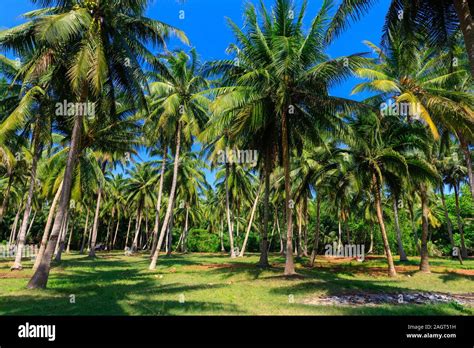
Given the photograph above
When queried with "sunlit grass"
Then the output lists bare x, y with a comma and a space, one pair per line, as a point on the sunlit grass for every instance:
213, 284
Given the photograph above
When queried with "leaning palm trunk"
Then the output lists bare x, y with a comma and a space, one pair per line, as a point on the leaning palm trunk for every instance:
466, 19
289, 264
40, 277
249, 227
96, 224
227, 208
371, 246
128, 231
68, 249
166, 221
185, 233
460, 222
14, 226
424, 262
29, 200
378, 205
84, 237
49, 222
62, 240
116, 232
316, 234
401, 250
137, 230
158, 203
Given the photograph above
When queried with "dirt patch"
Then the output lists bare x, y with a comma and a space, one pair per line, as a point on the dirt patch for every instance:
14, 275
216, 266
374, 299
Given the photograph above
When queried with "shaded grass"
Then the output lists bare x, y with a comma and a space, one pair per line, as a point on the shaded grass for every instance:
214, 284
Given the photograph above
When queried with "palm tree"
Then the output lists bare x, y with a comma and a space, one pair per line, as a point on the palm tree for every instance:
281, 66
97, 45
182, 106
436, 20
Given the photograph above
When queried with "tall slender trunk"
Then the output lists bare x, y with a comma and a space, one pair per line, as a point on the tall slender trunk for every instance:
305, 224
128, 231
221, 233
62, 239
29, 200
84, 237
227, 210
116, 231
249, 226
40, 277
31, 224
371, 246
170, 233
6, 197
186, 225
401, 250
68, 249
263, 262
316, 234
282, 245
44, 239
158, 203
169, 210
466, 19
299, 243
137, 229
460, 222
15, 225
446, 216
289, 264
378, 205
424, 262
413, 226
95, 227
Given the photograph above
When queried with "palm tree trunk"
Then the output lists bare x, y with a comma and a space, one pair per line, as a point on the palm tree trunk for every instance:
299, 244
29, 200
401, 250
84, 237
6, 197
186, 226
446, 216
158, 203
137, 229
68, 249
289, 264
378, 205
249, 227
169, 210
128, 231
15, 225
460, 223
31, 224
263, 262
116, 232
424, 263
169, 240
466, 19
62, 239
371, 246
222, 236
40, 277
95, 226
316, 234
227, 208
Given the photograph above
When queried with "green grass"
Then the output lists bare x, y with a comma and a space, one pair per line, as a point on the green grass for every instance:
214, 284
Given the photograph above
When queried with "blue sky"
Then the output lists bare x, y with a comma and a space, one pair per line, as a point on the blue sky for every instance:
205, 24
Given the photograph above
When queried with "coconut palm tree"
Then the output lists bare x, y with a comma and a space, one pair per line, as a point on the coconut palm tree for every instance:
436, 20
281, 66
180, 105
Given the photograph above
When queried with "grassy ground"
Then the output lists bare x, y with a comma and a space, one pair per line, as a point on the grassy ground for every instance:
114, 284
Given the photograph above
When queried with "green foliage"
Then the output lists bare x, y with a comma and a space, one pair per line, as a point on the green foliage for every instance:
200, 240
